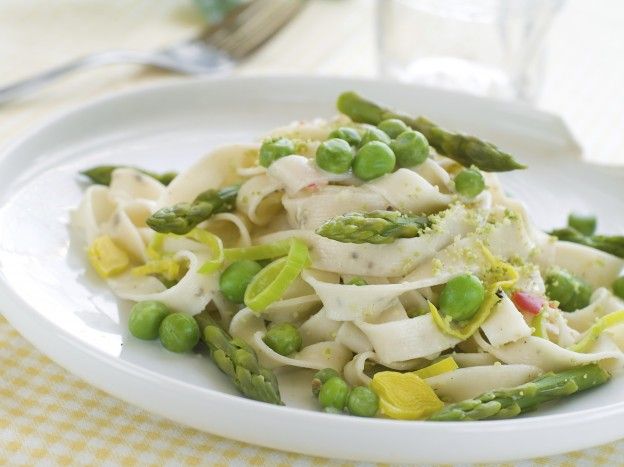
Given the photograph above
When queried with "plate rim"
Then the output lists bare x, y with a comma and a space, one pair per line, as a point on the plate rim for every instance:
573, 146
11, 304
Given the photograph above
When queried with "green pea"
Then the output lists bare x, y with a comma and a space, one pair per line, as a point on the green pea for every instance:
411, 148
334, 393
462, 296
334, 155
274, 149
320, 377
236, 277
283, 338
375, 134
373, 160
179, 332
350, 135
145, 319
571, 292
618, 287
357, 281
584, 224
324, 374
393, 127
362, 402
469, 182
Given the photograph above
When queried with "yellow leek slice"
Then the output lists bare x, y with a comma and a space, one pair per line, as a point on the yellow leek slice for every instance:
216, 248
593, 333
107, 258
405, 396
155, 248
443, 366
168, 268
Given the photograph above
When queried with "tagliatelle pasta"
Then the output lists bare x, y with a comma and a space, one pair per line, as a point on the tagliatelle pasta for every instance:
362, 274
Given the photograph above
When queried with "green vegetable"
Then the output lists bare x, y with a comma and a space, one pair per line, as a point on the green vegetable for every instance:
584, 224
103, 173
507, 403
181, 218
393, 127
618, 287
283, 338
259, 252
236, 277
334, 393
357, 281
538, 326
501, 275
375, 134
462, 296
469, 182
373, 227
274, 149
350, 135
216, 249
571, 292
362, 402
593, 333
239, 362
464, 149
410, 148
373, 160
270, 284
334, 155
612, 244
361, 110
145, 319
179, 332
320, 377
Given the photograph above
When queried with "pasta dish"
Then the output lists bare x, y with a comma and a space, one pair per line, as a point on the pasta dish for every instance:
377, 250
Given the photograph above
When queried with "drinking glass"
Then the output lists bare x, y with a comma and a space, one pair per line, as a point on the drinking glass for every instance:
485, 47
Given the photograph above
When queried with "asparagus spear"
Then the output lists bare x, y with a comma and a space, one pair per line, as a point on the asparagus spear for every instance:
239, 361
613, 244
373, 227
181, 218
102, 174
465, 149
507, 403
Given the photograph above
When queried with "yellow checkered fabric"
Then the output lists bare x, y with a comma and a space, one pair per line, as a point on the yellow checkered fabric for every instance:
48, 416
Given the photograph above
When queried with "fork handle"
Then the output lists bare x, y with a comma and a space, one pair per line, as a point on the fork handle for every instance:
29, 85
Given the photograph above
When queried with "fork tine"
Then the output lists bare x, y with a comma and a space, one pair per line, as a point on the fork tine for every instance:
255, 9
253, 26
264, 32
226, 24
263, 29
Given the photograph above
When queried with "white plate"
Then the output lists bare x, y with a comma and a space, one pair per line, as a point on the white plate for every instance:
49, 296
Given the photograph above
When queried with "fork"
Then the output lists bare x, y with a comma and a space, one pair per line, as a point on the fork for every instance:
216, 49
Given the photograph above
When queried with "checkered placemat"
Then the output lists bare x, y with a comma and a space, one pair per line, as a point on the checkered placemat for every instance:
50, 417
